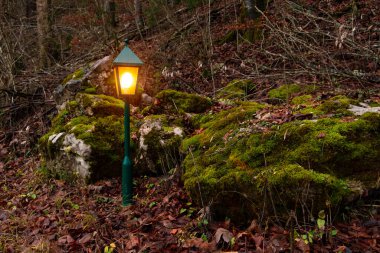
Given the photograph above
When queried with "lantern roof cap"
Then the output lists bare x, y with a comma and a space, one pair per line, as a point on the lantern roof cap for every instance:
127, 57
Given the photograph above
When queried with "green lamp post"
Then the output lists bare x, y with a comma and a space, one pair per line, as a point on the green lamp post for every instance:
126, 69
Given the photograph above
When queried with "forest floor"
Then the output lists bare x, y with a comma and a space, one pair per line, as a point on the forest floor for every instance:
39, 214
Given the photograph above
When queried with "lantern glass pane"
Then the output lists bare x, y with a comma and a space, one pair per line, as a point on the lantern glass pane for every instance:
127, 80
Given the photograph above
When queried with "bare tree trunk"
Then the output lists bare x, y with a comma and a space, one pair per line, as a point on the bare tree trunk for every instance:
109, 17
253, 5
30, 8
111, 13
138, 13
3, 7
43, 29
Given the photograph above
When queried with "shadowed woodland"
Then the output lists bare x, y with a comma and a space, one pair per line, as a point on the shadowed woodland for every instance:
255, 126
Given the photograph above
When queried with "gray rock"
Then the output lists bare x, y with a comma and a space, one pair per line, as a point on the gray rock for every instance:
358, 110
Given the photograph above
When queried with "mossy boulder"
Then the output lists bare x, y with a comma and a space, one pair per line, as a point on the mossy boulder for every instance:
284, 92
86, 139
80, 80
177, 102
237, 89
337, 106
159, 139
240, 166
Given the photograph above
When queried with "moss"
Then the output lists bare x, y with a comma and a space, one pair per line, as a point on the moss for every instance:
284, 92
337, 104
91, 90
171, 101
100, 104
96, 120
237, 89
78, 74
219, 124
231, 154
302, 100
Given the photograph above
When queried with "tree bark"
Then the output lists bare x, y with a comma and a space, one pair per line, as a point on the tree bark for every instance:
30, 8
251, 6
43, 29
138, 13
3, 6
110, 10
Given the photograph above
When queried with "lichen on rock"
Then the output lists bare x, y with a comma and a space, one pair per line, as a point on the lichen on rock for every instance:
158, 145
86, 138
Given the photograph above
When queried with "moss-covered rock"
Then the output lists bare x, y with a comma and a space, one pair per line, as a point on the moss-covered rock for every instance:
237, 89
337, 106
302, 100
176, 102
86, 139
284, 92
159, 140
76, 75
237, 165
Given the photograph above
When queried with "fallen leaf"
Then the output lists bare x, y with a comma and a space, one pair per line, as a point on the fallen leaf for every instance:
254, 227
223, 234
86, 238
258, 240
302, 246
133, 242
200, 244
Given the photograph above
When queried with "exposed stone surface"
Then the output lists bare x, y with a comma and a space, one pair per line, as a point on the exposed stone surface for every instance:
158, 145
79, 80
86, 139
360, 110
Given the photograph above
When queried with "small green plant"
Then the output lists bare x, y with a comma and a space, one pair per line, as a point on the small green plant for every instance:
102, 200
203, 222
29, 196
109, 248
152, 204
316, 233
189, 211
204, 237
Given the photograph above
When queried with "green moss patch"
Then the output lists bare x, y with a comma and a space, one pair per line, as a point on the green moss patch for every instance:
234, 162
76, 75
336, 106
171, 101
100, 104
237, 89
94, 120
284, 92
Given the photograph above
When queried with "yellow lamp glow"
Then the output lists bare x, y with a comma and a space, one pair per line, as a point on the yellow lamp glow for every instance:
126, 79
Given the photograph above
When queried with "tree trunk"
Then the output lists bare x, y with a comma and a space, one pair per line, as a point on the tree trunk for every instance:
253, 5
111, 13
3, 7
138, 13
30, 8
43, 29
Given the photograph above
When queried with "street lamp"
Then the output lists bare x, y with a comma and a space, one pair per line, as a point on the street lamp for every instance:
126, 69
